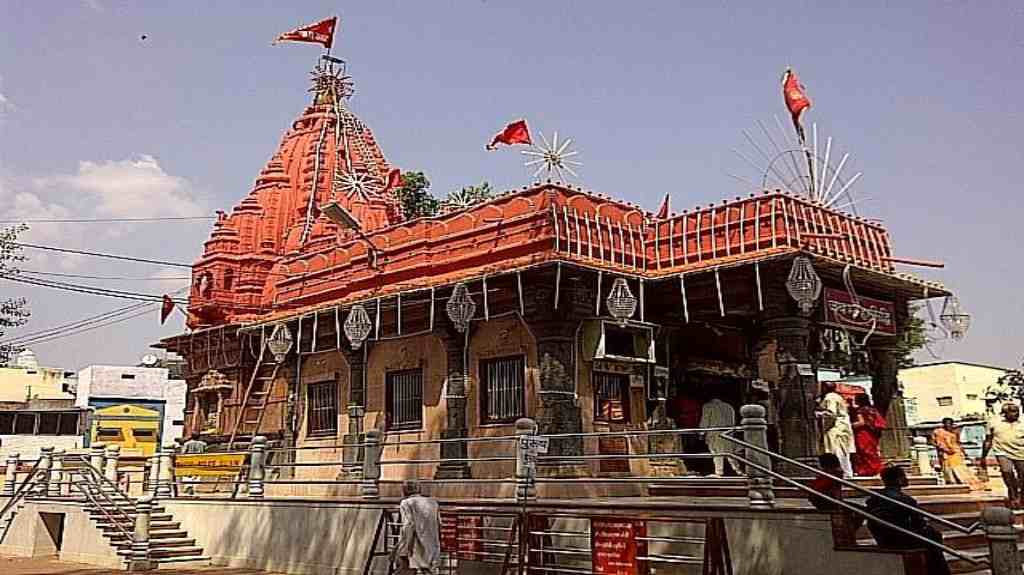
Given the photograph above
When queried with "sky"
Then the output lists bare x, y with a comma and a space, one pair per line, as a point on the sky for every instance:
96, 122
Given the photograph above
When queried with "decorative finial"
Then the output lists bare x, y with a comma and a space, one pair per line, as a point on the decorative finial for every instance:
552, 157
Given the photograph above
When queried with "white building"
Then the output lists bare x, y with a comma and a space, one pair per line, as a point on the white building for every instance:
947, 389
105, 386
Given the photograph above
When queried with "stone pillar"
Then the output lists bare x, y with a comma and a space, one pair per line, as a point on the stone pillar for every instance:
139, 554
152, 470
456, 346
113, 455
370, 486
257, 471
1002, 540
799, 436
922, 457
43, 473
885, 394
165, 475
11, 474
356, 359
755, 432
96, 456
559, 411
526, 464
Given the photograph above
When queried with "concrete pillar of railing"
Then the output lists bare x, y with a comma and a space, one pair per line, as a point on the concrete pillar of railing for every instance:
1002, 540
57, 474
257, 471
370, 486
139, 558
165, 472
755, 432
526, 462
923, 457
152, 472
11, 474
43, 474
97, 456
113, 456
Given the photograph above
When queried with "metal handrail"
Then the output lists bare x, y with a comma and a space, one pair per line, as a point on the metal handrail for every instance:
641, 432
853, 508
89, 477
20, 493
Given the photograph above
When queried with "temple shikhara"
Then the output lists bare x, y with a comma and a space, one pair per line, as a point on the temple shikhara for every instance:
318, 312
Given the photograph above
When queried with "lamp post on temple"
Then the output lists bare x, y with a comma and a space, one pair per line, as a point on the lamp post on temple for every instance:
340, 216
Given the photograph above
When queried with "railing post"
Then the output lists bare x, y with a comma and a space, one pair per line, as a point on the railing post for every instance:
113, 455
45, 463
57, 474
165, 472
370, 486
96, 456
922, 457
139, 558
526, 463
257, 471
152, 472
755, 431
1002, 540
11, 474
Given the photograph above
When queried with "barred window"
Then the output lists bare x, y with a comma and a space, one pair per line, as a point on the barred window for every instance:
611, 397
503, 389
404, 391
322, 408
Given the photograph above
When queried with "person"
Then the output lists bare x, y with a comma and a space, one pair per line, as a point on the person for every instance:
845, 523
895, 479
868, 424
419, 541
717, 413
838, 436
952, 456
194, 445
1006, 438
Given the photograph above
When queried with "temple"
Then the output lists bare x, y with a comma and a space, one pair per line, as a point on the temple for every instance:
318, 313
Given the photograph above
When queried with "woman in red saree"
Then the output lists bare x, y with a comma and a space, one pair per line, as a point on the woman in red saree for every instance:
868, 424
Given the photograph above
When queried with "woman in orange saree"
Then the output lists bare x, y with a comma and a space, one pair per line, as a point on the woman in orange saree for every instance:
868, 424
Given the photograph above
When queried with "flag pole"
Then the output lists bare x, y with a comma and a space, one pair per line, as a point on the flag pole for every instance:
807, 153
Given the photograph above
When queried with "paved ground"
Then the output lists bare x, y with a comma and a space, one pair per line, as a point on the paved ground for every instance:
49, 566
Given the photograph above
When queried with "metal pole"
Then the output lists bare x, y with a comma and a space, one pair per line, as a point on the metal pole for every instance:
370, 486
755, 432
257, 457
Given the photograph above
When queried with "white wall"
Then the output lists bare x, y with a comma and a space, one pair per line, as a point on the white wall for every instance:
28, 445
964, 383
150, 383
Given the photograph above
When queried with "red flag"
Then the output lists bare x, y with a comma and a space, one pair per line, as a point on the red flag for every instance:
320, 33
796, 99
166, 308
514, 133
394, 179
663, 211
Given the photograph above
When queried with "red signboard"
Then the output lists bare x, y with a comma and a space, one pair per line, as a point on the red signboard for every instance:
614, 546
469, 532
841, 311
449, 533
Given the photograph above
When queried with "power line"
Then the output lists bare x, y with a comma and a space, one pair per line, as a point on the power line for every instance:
92, 290
149, 308
102, 255
108, 220
117, 278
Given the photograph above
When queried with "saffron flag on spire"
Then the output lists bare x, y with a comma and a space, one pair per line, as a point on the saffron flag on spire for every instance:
320, 33
665, 209
514, 133
394, 178
796, 99
166, 308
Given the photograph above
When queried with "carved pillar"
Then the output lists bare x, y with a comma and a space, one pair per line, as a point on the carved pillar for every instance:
356, 359
559, 412
456, 346
798, 430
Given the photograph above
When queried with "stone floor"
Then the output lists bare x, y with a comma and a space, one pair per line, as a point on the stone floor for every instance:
51, 566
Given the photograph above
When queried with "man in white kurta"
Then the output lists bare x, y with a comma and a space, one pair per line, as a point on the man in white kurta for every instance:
838, 439
419, 543
717, 413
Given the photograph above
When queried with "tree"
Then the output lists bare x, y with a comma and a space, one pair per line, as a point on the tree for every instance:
417, 202
1009, 387
914, 338
13, 311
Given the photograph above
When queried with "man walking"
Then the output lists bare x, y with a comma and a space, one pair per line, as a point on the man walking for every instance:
1006, 439
419, 543
838, 435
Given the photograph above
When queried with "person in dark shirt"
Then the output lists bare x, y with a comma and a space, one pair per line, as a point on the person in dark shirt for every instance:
895, 479
845, 523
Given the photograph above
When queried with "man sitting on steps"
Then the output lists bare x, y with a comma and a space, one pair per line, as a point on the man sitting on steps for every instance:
895, 479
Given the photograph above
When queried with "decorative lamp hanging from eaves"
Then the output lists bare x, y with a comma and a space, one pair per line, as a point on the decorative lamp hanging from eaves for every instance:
803, 284
954, 318
621, 302
280, 342
357, 326
461, 307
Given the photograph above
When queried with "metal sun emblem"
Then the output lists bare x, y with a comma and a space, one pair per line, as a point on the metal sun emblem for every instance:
353, 183
552, 157
330, 79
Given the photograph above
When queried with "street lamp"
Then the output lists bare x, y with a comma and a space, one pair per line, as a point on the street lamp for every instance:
621, 302
954, 318
343, 218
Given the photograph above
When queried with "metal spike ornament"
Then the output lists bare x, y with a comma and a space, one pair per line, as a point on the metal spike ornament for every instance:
621, 302
357, 326
461, 307
552, 157
803, 284
280, 342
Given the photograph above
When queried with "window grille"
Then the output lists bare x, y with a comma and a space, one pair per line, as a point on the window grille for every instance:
322, 408
611, 397
404, 399
503, 389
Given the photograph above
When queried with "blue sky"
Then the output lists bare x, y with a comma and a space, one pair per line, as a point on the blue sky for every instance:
95, 122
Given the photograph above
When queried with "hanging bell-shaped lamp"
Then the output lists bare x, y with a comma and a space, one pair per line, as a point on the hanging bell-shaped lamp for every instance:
954, 318
461, 307
621, 302
280, 342
357, 326
803, 284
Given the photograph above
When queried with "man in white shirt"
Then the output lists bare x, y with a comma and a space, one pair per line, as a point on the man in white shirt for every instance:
838, 438
419, 543
1006, 439
717, 413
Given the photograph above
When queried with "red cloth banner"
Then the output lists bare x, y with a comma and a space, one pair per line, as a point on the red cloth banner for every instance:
796, 99
320, 33
514, 133
394, 179
840, 311
666, 206
614, 546
166, 308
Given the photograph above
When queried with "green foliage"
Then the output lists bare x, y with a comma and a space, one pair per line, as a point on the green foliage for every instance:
417, 201
914, 338
13, 311
1009, 387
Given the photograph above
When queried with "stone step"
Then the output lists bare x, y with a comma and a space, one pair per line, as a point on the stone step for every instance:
184, 562
156, 527
154, 536
161, 543
191, 552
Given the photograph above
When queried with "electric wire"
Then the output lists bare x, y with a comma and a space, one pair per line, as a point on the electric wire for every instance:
108, 220
101, 255
47, 339
90, 289
112, 278
77, 323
